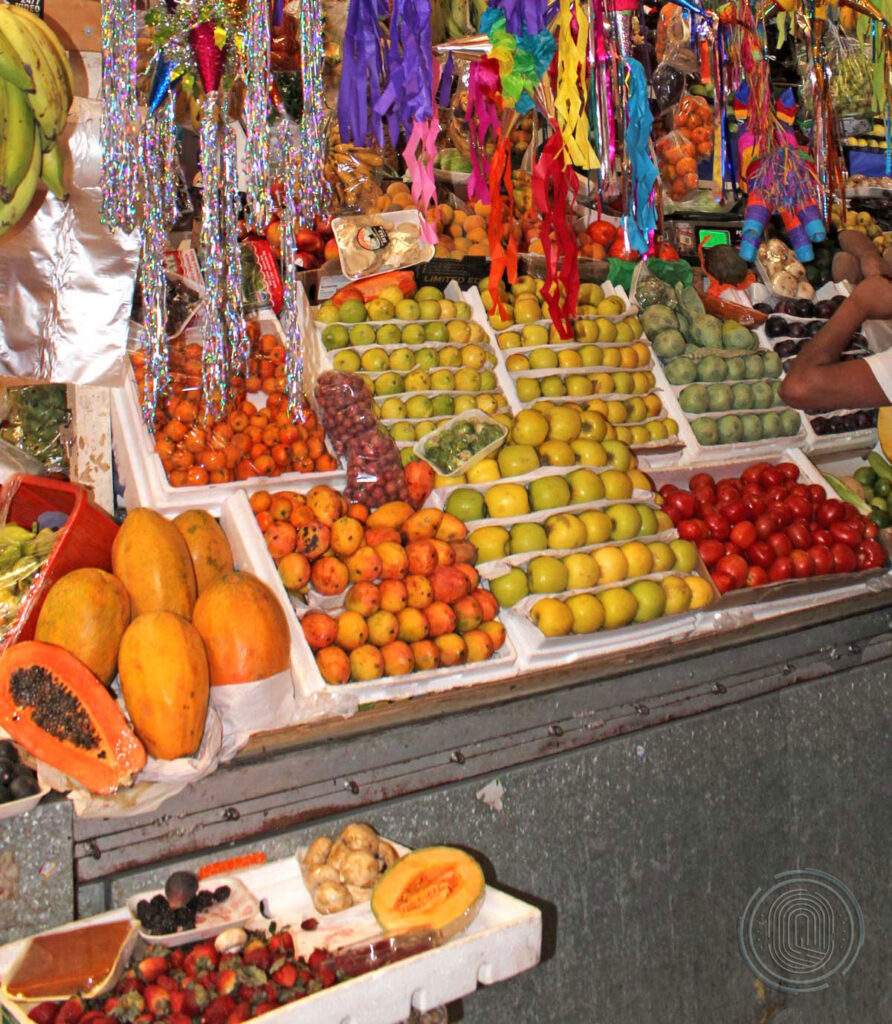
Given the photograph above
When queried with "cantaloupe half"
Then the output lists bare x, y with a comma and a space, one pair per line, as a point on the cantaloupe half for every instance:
884, 430
438, 888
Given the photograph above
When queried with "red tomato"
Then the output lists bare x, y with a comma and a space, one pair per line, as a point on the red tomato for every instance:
735, 511
752, 473
851, 513
744, 534
871, 530
799, 534
816, 493
781, 569
619, 251
789, 469
822, 557
602, 232
870, 555
845, 533
780, 544
717, 526
776, 493
780, 512
723, 582
732, 549
666, 490
843, 558
692, 529
710, 551
760, 553
665, 251
701, 480
752, 489
765, 526
802, 563
727, 489
829, 511
707, 510
771, 476
756, 577
799, 489
305, 260
680, 505
802, 508
735, 566
705, 495
821, 537
755, 505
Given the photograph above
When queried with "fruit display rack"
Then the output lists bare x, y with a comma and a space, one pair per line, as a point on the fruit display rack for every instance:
503, 940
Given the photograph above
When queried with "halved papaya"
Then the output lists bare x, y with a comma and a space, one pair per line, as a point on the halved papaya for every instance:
59, 711
438, 888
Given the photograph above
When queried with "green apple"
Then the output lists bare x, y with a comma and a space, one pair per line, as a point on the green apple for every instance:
585, 486
328, 313
565, 531
362, 334
393, 409
543, 359
534, 334
510, 588
620, 607
402, 359
620, 454
582, 571
380, 309
402, 431
423, 428
428, 309
549, 492
374, 360
428, 292
527, 537
418, 380
347, 361
506, 501
443, 405
517, 459
466, 504
407, 456
335, 336
467, 380
442, 380
649, 525
388, 334
412, 334
491, 542
449, 356
407, 310
587, 612
626, 521
547, 575
651, 600
528, 389
553, 387
462, 311
487, 380
389, 384
598, 526
426, 358
419, 407
353, 312
435, 331
463, 403
685, 552
591, 355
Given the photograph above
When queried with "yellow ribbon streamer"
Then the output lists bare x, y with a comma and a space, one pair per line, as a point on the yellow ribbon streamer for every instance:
572, 95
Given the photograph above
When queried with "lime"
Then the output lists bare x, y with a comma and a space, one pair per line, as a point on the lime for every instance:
882, 519
882, 487
865, 476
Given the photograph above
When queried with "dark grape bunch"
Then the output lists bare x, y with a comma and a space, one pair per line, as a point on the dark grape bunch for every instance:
177, 908
17, 780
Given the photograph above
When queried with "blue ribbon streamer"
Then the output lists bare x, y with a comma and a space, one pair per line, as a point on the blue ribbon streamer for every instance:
162, 81
642, 218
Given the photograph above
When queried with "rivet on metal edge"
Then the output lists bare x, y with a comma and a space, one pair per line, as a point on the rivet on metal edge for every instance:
641, 709
93, 850
352, 786
555, 730
231, 814
788, 669
718, 688
458, 757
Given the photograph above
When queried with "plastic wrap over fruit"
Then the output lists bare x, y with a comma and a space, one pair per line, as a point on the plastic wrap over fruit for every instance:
345, 407
374, 471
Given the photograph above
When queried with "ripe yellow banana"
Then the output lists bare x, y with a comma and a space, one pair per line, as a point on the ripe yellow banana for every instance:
52, 169
13, 211
55, 44
17, 139
49, 99
11, 68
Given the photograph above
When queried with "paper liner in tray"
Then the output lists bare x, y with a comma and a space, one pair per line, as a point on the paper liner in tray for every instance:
317, 698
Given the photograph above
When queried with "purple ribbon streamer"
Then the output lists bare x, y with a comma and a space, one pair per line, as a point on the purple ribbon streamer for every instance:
446, 82
408, 95
523, 17
362, 69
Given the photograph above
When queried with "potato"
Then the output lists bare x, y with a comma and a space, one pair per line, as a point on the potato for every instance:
856, 243
846, 268
873, 265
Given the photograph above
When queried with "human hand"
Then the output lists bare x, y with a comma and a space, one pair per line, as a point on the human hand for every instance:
873, 297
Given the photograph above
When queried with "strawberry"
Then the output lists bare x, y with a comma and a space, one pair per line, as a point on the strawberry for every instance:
264, 1008
179, 1018
286, 976
328, 977
176, 958
218, 1010
256, 954
227, 982
132, 984
91, 1016
177, 999
202, 957
70, 1012
44, 1013
240, 1014
270, 991
195, 999
317, 958
110, 1005
275, 943
151, 967
126, 1008
165, 981
287, 941
157, 1000
144, 1018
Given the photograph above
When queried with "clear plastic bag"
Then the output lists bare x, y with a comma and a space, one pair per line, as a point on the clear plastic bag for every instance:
374, 471
678, 165
346, 407
34, 421
694, 120
851, 86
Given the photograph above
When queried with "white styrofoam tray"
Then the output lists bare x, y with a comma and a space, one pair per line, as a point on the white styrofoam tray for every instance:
312, 688
142, 475
504, 939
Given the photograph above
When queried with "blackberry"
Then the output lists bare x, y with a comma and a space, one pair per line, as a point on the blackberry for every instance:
222, 894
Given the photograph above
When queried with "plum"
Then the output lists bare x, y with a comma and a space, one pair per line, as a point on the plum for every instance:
776, 327
180, 887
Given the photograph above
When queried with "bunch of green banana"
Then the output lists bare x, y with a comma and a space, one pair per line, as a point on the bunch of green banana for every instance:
22, 554
36, 92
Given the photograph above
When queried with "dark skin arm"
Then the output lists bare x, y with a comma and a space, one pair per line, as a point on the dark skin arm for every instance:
817, 379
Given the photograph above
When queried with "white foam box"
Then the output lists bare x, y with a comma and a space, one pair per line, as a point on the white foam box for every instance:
142, 475
504, 940
313, 691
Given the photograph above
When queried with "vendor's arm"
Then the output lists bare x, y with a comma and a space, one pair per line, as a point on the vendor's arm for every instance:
817, 379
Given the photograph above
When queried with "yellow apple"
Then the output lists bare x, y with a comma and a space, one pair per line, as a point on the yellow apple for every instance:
594, 426
530, 428
626, 521
557, 453
517, 459
620, 607
510, 339
591, 355
565, 531
528, 389
491, 542
612, 564
569, 359
597, 526
617, 485
663, 556
606, 329
651, 600
546, 575
639, 558
619, 454
686, 555
678, 595
565, 423
507, 501
483, 472
588, 452
552, 616
579, 386
587, 612
582, 571
701, 592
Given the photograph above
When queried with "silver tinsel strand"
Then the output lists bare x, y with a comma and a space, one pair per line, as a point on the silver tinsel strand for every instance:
256, 107
120, 115
239, 344
214, 356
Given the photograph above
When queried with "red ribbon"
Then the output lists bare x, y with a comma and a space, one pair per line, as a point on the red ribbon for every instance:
502, 259
555, 187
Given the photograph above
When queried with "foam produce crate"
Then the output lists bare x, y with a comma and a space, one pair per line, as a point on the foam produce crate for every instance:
504, 939
142, 475
314, 692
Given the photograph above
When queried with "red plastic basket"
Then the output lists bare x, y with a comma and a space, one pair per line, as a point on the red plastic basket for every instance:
84, 541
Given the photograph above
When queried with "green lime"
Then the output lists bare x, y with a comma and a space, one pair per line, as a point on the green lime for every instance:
882, 519
868, 493
882, 487
879, 503
865, 476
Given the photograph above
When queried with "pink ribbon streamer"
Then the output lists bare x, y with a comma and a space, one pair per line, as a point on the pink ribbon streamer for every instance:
419, 154
483, 117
